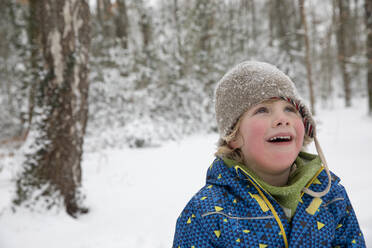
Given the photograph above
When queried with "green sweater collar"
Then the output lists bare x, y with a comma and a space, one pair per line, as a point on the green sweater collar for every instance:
307, 165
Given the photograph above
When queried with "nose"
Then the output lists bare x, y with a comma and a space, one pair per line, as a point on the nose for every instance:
281, 120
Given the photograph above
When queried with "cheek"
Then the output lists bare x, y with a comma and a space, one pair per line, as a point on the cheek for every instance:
300, 132
254, 133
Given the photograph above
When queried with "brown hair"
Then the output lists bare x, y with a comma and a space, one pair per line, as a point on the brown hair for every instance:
225, 150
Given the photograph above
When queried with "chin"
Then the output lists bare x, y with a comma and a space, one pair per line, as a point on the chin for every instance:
281, 162
284, 157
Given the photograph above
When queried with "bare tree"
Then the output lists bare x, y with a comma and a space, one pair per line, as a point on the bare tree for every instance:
34, 37
122, 23
144, 24
368, 19
282, 22
307, 56
254, 19
62, 94
177, 27
104, 14
342, 47
271, 8
14, 80
204, 14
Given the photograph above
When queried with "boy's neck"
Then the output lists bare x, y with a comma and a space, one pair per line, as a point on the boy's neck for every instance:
279, 179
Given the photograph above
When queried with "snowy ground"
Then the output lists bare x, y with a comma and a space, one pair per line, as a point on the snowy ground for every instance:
135, 195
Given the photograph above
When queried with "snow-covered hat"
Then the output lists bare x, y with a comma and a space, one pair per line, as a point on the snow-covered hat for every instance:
250, 83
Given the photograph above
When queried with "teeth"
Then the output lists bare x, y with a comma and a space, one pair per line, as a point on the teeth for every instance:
280, 137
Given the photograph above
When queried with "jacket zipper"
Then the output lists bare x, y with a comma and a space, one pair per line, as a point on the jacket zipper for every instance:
276, 216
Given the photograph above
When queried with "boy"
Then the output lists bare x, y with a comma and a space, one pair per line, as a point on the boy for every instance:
262, 190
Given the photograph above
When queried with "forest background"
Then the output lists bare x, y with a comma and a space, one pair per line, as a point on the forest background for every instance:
149, 69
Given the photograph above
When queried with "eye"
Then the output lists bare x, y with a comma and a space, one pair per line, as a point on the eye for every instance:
261, 110
291, 109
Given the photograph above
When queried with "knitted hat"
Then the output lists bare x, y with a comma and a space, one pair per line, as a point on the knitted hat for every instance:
250, 83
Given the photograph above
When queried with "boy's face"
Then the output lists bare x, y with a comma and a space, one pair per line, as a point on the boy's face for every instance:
270, 136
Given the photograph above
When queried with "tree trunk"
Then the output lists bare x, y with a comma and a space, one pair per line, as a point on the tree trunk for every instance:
34, 34
104, 16
254, 20
14, 86
368, 18
145, 25
122, 23
327, 64
54, 167
177, 24
307, 56
271, 22
206, 17
282, 25
342, 51
99, 11
179, 51
231, 32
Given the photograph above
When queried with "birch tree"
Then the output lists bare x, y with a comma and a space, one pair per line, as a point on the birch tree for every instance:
52, 172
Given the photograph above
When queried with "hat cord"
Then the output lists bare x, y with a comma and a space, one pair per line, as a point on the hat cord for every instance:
322, 158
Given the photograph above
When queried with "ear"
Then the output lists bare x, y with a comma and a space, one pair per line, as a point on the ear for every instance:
237, 142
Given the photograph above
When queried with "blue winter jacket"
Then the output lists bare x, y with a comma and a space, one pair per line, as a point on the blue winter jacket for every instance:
232, 210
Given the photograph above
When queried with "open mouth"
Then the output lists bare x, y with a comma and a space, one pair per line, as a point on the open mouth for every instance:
280, 139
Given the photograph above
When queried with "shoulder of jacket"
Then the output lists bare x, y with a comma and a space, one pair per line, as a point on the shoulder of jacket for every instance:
336, 187
336, 200
210, 197
211, 202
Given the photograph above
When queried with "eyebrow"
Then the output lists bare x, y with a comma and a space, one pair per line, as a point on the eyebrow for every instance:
270, 102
